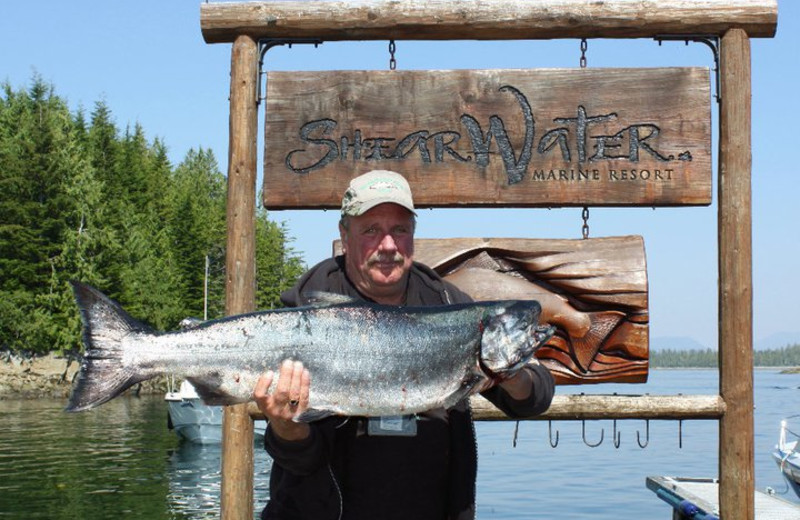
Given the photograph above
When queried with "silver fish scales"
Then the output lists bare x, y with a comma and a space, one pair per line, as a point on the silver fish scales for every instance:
365, 359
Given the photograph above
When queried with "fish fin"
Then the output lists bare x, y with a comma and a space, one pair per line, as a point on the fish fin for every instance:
323, 299
311, 415
103, 375
601, 325
472, 384
210, 393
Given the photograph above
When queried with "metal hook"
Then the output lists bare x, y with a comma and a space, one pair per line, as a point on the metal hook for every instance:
516, 434
646, 435
550, 431
602, 434
680, 434
617, 436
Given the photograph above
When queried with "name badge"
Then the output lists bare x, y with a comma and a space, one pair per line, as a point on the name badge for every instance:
393, 425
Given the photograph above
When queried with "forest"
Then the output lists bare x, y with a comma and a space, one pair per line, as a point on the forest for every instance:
81, 199
788, 356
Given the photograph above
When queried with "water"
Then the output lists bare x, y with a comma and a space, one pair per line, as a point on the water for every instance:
120, 461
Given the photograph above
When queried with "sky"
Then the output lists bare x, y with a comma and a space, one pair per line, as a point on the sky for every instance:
148, 62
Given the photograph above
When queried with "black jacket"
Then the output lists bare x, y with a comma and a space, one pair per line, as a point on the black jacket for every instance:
339, 472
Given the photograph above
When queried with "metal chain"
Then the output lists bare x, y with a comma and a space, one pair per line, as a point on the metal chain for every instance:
392, 60
585, 213
585, 217
584, 46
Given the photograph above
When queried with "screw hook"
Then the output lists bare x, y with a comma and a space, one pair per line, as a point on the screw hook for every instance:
644, 444
550, 431
617, 436
602, 434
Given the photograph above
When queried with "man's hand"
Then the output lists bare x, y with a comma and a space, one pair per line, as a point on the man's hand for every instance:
288, 400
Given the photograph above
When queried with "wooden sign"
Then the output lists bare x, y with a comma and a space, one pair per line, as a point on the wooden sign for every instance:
552, 137
594, 291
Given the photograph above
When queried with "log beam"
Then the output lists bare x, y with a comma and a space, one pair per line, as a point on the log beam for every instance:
588, 407
485, 20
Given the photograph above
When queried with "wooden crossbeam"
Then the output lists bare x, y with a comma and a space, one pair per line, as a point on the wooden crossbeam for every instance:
485, 20
581, 407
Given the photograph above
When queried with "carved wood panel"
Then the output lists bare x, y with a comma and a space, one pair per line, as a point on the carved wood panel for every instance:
594, 291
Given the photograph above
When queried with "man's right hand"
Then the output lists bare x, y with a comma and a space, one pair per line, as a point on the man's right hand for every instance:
288, 400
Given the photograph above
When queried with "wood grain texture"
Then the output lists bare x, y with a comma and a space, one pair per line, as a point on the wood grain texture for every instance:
736, 460
595, 407
543, 137
236, 495
484, 20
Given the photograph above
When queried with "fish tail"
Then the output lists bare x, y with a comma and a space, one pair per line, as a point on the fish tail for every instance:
602, 324
103, 375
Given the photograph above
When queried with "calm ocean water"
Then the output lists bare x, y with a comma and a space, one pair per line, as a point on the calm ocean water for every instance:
120, 461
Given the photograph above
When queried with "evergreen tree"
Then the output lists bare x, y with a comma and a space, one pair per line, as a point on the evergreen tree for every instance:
197, 227
86, 238
36, 162
277, 264
103, 147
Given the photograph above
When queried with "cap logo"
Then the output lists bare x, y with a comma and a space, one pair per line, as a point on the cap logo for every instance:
376, 187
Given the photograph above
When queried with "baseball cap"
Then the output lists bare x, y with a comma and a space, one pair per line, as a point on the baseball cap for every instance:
376, 187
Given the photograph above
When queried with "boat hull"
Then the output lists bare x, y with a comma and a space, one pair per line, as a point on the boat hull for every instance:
787, 456
196, 421
789, 464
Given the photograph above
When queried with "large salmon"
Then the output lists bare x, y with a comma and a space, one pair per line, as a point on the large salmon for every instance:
365, 359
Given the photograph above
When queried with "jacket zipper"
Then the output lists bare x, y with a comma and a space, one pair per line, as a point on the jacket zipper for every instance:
338, 490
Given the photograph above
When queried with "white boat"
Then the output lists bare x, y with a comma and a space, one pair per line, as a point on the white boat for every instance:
196, 421
787, 456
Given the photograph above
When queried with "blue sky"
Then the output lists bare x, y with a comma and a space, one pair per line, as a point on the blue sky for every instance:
147, 60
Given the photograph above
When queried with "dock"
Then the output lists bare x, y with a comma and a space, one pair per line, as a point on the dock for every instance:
698, 499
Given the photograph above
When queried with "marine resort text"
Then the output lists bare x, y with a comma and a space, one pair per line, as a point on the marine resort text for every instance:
625, 145
573, 175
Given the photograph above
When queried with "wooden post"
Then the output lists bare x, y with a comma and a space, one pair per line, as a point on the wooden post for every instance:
736, 466
237, 433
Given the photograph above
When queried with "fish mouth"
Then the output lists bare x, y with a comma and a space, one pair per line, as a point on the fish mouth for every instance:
511, 337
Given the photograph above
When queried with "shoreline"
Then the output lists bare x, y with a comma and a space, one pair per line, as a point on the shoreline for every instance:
51, 376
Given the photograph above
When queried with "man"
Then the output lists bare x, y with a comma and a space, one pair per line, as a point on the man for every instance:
414, 468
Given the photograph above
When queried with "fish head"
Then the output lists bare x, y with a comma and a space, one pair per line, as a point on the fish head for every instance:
511, 335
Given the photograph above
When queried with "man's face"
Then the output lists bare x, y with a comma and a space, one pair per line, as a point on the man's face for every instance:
379, 248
